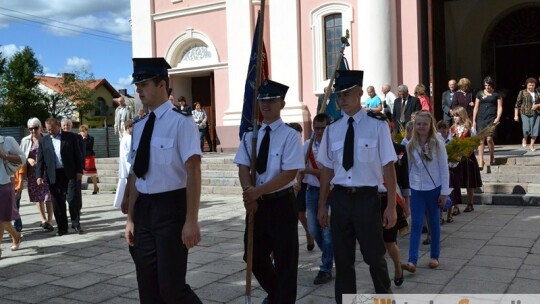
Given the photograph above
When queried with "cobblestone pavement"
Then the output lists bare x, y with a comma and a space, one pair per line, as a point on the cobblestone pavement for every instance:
495, 249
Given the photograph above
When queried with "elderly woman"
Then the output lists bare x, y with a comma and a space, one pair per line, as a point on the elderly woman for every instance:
464, 98
89, 156
9, 151
528, 104
38, 194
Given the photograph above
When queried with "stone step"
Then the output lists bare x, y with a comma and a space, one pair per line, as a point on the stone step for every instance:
512, 169
110, 160
511, 178
224, 190
220, 167
220, 174
230, 182
505, 199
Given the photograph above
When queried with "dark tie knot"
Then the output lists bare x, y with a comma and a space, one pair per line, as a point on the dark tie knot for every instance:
351, 120
268, 129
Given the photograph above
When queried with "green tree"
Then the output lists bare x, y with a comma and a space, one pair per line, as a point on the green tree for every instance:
78, 87
20, 96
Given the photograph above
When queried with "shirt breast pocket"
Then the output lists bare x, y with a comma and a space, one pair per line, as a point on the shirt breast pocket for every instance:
337, 150
274, 157
164, 150
366, 150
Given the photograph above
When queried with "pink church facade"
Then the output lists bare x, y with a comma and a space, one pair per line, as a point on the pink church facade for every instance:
208, 42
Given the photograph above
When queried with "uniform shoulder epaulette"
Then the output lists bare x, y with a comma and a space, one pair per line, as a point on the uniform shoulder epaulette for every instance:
377, 115
336, 119
177, 110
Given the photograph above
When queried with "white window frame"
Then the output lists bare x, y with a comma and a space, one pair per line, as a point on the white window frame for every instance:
318, 42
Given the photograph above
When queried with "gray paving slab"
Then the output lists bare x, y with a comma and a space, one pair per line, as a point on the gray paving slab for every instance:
494, 249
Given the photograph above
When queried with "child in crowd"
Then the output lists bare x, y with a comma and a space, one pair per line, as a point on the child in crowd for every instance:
19, 176
468, 170
428, 174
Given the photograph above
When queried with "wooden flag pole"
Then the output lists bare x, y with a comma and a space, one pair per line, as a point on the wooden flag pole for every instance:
344, 44
255, 121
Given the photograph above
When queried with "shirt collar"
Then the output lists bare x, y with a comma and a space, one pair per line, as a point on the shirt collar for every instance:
164, 107
273, 125
357, 116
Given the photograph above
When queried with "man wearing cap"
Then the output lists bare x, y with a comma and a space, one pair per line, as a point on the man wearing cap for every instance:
355, 152
271, 200
163, 191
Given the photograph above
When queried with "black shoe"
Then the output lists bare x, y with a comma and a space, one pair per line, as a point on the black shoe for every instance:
61, 232
399, 281
78, 230
47, 226
322, 277
266, 301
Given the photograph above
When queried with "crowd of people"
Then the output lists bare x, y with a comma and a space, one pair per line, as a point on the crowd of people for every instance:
52, 164
352, 169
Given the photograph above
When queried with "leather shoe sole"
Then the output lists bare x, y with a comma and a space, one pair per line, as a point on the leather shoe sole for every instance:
79, 230
433, 263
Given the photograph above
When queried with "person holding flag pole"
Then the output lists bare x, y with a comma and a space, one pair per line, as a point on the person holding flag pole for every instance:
268, 160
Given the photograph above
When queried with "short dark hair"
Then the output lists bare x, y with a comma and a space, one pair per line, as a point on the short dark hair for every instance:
442, 124
157, 79
296, 126
322, 117
51, 121
489, 81
530, 80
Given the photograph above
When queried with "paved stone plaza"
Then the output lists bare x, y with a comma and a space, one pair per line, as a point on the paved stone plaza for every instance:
495, 249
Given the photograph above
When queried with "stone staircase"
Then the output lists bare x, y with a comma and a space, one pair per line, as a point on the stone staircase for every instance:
219, 175
513, 180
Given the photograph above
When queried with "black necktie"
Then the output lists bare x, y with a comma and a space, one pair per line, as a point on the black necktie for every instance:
262, 156
348, 148
143, 151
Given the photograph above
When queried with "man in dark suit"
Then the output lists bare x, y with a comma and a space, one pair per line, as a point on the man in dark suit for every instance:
404, 106
447, 99
60, 159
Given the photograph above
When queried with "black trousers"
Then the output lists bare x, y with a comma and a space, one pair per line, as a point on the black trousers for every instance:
63, 190
159, 254
276, 231
356, 217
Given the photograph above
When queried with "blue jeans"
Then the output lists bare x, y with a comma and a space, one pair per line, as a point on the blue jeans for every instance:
425, 202
17, 223
323, 237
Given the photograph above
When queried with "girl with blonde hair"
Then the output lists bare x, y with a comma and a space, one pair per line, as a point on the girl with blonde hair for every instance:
429, 183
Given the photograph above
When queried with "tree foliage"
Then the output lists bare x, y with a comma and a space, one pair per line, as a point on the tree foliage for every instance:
76, 94
20, 97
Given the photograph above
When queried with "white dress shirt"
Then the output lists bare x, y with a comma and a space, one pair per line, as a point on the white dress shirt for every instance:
438, 175
57, 144
389, 99
174, 140
10, 146
285, 151
373, 149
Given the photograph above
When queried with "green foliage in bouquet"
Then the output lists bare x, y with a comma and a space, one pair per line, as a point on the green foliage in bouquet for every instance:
399, 136
459, 148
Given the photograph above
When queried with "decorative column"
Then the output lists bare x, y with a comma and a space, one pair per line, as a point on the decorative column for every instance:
377, 52
284, 27
239, 38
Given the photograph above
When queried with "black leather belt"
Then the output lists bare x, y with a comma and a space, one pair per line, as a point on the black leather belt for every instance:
277, 194
350, 190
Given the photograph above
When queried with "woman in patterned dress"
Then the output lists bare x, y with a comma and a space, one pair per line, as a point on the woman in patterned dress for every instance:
38, 194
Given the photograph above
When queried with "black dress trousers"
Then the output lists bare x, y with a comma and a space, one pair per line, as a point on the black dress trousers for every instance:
159, 254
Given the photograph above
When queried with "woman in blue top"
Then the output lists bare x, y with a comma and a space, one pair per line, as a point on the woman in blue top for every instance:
373, 102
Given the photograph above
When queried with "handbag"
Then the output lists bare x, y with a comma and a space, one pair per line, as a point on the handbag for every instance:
10, 167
